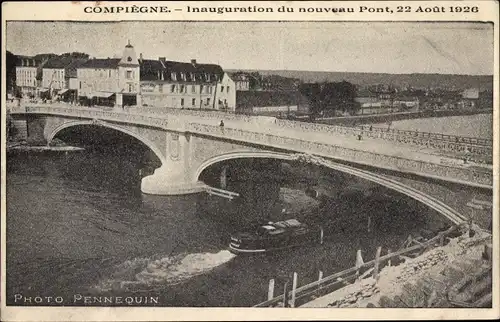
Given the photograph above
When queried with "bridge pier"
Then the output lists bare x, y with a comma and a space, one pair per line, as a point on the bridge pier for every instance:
168, 180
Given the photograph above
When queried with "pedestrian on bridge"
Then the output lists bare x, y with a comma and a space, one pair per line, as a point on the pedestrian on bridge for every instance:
222, 126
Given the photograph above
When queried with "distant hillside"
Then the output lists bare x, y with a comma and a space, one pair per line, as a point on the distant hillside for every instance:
415, 80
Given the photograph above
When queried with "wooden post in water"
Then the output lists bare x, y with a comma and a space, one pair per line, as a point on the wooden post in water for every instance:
285, 294
369, 223
321, 235
389, 262
223, 178
270, 291
377, 263
320, 277
359, 262
294, 288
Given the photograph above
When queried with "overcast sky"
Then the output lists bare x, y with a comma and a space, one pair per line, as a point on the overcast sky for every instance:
445, 48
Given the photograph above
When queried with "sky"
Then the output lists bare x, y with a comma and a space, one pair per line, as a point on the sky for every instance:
378, 47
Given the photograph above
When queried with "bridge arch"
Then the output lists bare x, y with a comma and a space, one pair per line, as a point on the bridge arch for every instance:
53, 132
382, 180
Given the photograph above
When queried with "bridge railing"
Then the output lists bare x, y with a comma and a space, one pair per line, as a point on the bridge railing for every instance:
175, 121
97, 114
430, 135
439, 171
474, 146
434, 142
209, 114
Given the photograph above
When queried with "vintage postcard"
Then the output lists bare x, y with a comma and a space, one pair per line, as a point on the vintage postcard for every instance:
249, 160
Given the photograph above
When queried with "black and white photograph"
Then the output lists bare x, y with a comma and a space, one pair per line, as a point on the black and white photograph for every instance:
257, 163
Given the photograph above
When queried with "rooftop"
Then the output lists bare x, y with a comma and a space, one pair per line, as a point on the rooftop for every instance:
105, 63
162, 69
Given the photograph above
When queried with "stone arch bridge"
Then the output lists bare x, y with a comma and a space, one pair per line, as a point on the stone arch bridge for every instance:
187, 142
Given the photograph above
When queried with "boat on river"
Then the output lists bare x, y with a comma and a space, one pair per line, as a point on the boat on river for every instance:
275, 236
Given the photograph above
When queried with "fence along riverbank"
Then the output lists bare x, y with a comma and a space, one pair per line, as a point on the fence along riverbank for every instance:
328, 284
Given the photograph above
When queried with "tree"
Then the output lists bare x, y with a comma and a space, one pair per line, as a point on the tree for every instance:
330, 97
10, 66
76, 54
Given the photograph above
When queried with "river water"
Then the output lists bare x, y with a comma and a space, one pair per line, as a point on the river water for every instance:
479, 125
78, 225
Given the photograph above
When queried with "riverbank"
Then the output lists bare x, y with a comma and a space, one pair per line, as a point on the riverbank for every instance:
56, 146
455, 275
32, 148
392, 117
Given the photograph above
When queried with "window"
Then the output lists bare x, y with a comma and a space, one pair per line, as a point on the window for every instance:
80, 85
227, 89
109, 73
192, 77
129, 74
182, 89
193, 88
160, 88
208, 101
193, 102
182, 101
130, 88
222, 89
183, 76
210, 89
201, 89
172, 89
173, 76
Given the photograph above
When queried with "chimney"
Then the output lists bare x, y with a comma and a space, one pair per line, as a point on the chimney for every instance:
193, 62
162, 59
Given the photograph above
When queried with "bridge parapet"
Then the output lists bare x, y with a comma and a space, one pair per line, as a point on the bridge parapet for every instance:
476, 149
461, 175
91, 113
429, 135
475, 146
208, 114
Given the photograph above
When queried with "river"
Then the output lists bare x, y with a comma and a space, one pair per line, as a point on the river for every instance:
77, 224
479, 125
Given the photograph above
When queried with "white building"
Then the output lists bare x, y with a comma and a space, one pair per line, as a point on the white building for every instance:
172, 84
226, 93
111, 81
59, 77
28, 76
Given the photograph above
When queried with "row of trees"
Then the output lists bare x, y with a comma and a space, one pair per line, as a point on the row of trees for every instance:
327, 98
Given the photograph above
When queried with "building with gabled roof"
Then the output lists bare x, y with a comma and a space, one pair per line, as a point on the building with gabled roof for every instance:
59, 77
29, 75
173, 84
111, 81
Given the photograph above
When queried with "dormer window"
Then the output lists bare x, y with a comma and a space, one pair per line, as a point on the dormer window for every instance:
207, 77
173, 76
129, 59
183, 76
191, 75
